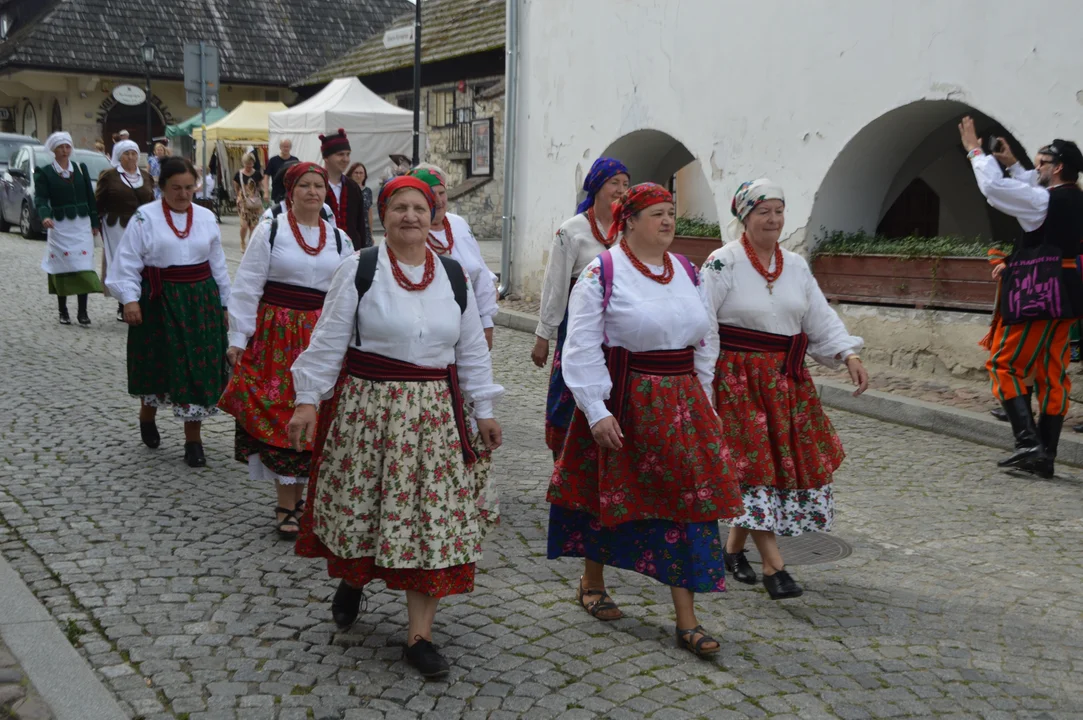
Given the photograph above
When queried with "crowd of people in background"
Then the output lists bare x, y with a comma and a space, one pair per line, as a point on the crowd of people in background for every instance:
360, 378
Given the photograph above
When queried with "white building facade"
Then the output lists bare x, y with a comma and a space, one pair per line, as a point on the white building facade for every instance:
843, 102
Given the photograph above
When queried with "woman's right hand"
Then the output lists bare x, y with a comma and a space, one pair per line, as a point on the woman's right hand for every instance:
233, 354
48, 224
998, 270
302, 427
607, 433
540, 353
132, 314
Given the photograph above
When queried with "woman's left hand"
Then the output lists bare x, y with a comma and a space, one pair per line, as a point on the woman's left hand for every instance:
234, 354
858, 374
489, 337
491, 434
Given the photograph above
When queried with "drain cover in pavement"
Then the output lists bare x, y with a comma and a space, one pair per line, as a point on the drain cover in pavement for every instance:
808, 549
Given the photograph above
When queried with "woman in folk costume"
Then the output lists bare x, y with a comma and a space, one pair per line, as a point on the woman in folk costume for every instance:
450, 236
642, 480
578, 242
64, 199
393, 495
170, 273
277, 297
768, 311
118, 195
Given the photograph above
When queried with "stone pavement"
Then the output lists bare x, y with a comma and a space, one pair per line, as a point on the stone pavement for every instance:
18, 698
961, 598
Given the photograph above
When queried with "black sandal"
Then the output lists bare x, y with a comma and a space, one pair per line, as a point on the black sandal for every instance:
290, 519
604, 603
684, 641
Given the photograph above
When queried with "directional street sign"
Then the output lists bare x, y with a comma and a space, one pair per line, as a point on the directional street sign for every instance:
200, 72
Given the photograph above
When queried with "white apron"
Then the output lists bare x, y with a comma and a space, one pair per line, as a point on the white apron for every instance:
69, 247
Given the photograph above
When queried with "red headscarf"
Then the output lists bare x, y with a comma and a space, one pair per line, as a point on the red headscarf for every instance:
400, 183
638, 197
294, 173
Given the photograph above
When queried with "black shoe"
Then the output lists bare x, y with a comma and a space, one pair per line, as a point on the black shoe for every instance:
346, 605
423, 656
1049, 427
84, 320
193, 454
999, 414
1027, 443
149, 432
1077, 428
781, 586
65, 319
738, 568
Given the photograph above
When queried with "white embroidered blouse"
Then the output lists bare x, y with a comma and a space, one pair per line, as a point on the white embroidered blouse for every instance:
574, 247
467, 253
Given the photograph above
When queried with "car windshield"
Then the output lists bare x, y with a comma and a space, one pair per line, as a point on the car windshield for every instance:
8, 148
95, 162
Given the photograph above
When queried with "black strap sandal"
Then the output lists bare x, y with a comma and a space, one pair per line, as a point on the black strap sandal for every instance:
684, 641
290, 519
604, 603
300, 507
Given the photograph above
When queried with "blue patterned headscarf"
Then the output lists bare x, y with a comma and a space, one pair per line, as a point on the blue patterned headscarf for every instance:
600, 172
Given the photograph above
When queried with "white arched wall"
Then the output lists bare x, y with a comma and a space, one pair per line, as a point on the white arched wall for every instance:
782, 103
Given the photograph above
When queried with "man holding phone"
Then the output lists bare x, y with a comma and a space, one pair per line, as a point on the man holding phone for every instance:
1048, 204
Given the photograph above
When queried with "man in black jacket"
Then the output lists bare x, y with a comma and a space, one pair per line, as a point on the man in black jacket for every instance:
343, 194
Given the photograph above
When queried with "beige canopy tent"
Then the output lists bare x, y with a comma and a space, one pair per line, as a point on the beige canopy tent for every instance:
246, 126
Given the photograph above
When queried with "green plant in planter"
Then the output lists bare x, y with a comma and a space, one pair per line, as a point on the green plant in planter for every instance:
861, 243
698, 227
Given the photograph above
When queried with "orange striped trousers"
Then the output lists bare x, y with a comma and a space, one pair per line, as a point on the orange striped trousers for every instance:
1039, 348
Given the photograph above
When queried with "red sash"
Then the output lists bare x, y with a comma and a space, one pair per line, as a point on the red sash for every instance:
740, 339
369, 366
622, 363
293, 297
186, 274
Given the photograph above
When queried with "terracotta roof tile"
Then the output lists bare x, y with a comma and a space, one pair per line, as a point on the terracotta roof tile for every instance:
449, 29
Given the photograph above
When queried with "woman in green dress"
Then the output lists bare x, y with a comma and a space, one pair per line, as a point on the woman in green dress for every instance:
64, 199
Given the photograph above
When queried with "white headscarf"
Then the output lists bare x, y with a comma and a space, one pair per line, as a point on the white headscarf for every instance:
135, 180
745, 200
52, 143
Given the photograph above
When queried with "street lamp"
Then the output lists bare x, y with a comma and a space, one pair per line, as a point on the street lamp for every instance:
148, 58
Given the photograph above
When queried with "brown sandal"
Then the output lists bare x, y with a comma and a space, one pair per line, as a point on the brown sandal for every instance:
684, 641
604, 604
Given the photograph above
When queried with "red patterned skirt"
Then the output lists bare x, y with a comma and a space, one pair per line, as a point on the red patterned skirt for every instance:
260, 391
673, 464
774, 425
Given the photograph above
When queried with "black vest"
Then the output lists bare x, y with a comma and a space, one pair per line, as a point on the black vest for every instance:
1063, 226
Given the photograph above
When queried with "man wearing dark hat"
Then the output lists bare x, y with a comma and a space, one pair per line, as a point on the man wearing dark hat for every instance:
343, 194
1048, 204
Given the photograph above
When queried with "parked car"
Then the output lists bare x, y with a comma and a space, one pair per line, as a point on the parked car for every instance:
9, 144
17, 185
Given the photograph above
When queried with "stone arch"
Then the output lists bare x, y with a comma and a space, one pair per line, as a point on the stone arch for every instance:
113, 116
917, 141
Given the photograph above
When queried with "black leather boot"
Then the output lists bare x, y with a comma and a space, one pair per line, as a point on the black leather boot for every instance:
346, 604
1049, 427
1027, 443
1002, 416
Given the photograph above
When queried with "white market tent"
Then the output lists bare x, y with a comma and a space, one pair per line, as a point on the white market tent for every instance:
375, 127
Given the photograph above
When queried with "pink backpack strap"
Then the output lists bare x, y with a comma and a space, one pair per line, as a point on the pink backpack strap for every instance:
688, 268
606, 259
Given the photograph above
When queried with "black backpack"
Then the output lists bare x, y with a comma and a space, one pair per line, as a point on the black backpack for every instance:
366, 271
274, 228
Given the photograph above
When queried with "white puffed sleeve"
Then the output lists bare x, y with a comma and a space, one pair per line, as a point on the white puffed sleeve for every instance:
316, 370
124, 274
704, 359
583, 361
474, 362
554, 296
829, 341
217, 259
482, 280
248, 286
715, 281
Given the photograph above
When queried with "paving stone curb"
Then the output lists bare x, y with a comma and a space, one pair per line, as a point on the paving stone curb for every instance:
953, 422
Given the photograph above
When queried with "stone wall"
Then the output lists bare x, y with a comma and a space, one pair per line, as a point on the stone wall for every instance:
483, 205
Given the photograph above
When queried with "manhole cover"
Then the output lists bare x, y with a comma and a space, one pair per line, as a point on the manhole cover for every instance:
808, 549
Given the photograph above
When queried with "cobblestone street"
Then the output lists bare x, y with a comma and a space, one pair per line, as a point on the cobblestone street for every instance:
963, 596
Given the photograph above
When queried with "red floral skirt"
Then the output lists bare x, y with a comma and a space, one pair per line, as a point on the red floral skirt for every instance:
673, 464
775, 428
260, 392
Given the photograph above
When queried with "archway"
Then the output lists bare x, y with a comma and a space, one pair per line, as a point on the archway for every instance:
115, 117
655, 156
881, 179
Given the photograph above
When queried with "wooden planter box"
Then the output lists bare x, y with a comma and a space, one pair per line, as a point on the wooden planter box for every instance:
955, 283
695, 249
